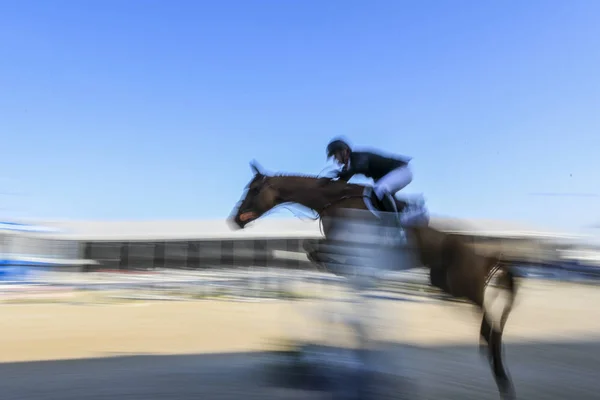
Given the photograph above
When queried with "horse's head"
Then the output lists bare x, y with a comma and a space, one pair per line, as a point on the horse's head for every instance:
265, 192
260, 197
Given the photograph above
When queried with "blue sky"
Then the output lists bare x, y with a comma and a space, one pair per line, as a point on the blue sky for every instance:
153, 109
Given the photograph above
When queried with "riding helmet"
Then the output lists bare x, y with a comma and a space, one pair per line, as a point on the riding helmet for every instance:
336, 145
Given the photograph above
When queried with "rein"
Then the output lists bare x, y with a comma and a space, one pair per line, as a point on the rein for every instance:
332, 203
327, 205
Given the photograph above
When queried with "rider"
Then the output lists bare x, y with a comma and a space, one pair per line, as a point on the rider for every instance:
390, 174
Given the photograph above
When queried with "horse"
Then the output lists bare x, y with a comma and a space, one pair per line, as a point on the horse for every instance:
454, 267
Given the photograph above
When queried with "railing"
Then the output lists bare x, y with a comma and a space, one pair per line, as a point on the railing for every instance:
240, 284
251, 284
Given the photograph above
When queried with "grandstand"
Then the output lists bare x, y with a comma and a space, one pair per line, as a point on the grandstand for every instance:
27, 247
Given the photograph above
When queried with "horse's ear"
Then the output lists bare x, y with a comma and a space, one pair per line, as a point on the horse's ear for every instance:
256, 169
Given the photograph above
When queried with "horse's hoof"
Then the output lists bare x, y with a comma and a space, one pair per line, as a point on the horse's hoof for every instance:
508, 394
484, 352
507, 390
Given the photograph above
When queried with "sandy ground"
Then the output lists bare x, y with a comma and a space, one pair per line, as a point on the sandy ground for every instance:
215, 349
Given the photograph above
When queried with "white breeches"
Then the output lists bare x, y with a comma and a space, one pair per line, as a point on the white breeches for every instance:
394, 181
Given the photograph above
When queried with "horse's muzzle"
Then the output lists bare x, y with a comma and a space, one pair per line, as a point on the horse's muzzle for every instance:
234, 223
242, 219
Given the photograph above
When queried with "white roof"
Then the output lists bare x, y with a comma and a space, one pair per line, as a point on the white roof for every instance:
20, 227
184, 230
265, 228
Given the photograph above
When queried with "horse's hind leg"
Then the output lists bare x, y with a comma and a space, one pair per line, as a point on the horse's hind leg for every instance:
485, 337
505, 385
490, 344
498, 300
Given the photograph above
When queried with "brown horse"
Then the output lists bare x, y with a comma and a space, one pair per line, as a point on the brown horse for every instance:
454, 266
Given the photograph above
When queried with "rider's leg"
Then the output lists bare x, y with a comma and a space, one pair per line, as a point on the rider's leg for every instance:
391, 183
388, 202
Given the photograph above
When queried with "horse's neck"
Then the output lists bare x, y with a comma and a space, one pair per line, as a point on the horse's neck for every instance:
312, 193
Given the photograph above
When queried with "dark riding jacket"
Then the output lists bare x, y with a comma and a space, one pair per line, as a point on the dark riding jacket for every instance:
371, 165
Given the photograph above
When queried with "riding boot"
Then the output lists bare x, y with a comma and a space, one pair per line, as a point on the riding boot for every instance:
389, 205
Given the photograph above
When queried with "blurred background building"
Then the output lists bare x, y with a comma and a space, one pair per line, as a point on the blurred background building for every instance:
125, 245
27, 247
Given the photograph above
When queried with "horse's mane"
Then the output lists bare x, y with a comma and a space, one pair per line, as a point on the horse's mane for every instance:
332, 187
288, 175
316, 177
